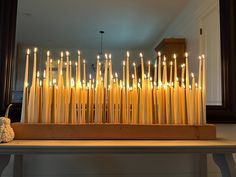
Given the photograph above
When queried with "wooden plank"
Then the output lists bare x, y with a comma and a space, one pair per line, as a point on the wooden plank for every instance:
112, 131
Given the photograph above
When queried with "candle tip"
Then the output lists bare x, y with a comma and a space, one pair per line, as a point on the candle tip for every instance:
28, 51
159, 54
141, 55
203, 56
48, 53
62, 54
109, 56
76, 63
174, 56
78, 52
123, 63
106, 56
192, 74
127, 53
84, 61
186, 54
134, 64
35, 50
67, 53
38, 74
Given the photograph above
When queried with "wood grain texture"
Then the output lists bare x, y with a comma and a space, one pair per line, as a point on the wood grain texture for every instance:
111, 131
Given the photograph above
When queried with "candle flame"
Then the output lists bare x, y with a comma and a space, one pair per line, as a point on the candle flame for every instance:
123, 62
62, 54
203, 56
149, 62
48, 53
35, 50
164, 58
26, 84
40, 83
72, 82
109, 56
98, 57
171, 63
127, 54
70, 62
134, 64
51, 61
192, 74
132, 76
38, 74
106, 56
141, 55
90, 76
67, 53
199, 57
54, 81
76, 63
44, 74
174, 56
183, 65
79, 52
58, 61
84, 61
159, 54
28, 51
186, 54
116, 75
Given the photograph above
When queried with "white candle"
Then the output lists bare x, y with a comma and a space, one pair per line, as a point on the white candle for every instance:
159, 68
24, 112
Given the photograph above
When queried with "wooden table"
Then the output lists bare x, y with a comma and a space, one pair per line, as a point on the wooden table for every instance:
222, 150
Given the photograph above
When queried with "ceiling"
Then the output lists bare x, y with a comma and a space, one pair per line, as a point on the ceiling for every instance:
128, 24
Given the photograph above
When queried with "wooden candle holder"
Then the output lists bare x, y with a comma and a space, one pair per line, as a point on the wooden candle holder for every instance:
112, 132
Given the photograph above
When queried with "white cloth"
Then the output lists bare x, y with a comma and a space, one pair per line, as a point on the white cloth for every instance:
6, 132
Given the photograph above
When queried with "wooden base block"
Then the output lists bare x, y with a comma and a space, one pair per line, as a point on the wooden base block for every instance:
112, 132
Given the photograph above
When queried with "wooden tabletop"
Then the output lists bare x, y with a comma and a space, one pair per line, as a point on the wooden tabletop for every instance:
117, 146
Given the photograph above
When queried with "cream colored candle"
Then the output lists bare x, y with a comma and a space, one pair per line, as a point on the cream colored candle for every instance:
135, 75
171, 68
199, 93
159, 69
127, 70
187, 88
142, 69
24, 112
78, 81
182, 74
204, 89
31, 110
84, 63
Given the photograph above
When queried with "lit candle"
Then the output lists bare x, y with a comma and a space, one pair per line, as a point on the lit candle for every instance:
31, 110
171, 68
78, 74
24, 112
127, 70
142, 68
187, 88
182, 74
84, 70
135, 74
204, 89
159, 69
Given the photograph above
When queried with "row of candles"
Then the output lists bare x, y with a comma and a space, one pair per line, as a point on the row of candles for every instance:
106, 99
